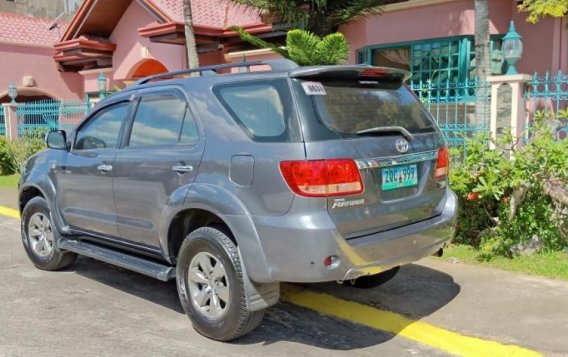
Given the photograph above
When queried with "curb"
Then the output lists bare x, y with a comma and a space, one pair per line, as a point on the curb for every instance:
9, 212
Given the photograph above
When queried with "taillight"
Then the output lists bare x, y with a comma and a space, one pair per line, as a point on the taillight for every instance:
442, 164
374, 72
322, 178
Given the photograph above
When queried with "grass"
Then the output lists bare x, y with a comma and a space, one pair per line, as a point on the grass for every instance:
550, 265
10, 181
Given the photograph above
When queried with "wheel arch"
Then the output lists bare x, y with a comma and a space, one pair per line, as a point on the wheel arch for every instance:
39, 184
188, 220
27, 193
209, 205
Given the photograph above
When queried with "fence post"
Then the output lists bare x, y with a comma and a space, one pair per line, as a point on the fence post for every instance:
517, 110
10, 120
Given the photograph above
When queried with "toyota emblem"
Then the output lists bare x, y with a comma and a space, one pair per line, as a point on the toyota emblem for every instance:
401, 145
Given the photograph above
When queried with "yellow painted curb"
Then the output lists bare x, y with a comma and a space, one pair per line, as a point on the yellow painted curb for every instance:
10, 212
399, 325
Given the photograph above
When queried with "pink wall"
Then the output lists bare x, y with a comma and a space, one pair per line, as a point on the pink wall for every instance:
211, 58
546, 44
129, 44
91, 80
19, 61
251, 56
425, 22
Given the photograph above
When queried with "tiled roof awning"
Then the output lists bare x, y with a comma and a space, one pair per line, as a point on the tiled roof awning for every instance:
84, 52
211, 20
174, 32
83, 44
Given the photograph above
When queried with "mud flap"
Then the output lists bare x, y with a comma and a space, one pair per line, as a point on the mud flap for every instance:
259, 296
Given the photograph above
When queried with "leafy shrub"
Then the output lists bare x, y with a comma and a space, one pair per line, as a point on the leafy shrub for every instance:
14, 153
501, 192
6, 157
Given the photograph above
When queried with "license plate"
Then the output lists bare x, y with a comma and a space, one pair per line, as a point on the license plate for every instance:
399, 176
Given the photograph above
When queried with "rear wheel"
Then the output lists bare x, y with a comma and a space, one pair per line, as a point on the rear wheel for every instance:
210, 286
39, 237
372, 281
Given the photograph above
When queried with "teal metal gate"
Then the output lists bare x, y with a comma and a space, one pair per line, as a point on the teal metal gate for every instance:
547, 95
49, 115
2, 122
460, 109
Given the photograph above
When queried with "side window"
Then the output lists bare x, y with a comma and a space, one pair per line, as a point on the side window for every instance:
158, 120
259, 108
101, 131
189, 135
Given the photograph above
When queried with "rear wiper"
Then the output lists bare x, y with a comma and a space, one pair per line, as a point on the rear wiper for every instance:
388, 129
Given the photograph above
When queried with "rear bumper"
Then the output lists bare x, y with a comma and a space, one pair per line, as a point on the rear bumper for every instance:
295, 246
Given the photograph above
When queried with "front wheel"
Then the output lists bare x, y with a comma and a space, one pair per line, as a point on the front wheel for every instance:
210, 286
39, 237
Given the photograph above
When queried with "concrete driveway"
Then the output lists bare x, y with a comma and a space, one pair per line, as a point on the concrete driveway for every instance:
430, 309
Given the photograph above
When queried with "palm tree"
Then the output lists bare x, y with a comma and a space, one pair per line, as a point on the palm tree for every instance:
304, 47
190, 45
320, 17
482, 59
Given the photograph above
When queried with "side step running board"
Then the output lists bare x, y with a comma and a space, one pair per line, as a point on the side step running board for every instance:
123, 260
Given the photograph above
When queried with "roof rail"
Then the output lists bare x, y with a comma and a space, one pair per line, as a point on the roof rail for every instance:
276, 65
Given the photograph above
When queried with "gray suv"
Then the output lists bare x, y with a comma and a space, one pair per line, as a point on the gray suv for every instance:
231, 183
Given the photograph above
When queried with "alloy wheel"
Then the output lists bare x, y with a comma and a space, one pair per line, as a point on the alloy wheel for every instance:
208, 285
40, 234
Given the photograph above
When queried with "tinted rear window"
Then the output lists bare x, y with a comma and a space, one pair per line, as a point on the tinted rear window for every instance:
348, 107
263, 109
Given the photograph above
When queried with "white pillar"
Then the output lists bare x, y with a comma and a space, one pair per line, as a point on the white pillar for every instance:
10, 120
518, 110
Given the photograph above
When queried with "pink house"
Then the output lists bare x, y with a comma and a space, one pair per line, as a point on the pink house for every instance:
434, 39
129, 39
123, 39
26, 59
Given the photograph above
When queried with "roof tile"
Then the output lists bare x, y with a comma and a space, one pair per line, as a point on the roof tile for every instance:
211, 13
27, 30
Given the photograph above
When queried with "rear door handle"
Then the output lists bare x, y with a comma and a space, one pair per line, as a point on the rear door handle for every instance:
104, 168
181, 169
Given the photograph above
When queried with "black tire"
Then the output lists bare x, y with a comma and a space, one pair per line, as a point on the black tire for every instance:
372, 281
53, 258
236, 320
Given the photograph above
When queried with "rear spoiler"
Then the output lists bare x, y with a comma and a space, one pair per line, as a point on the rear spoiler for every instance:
350, 71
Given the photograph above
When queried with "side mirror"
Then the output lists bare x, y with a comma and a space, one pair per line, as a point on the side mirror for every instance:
56, 139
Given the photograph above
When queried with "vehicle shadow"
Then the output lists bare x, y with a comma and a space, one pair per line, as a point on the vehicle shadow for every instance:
417, 291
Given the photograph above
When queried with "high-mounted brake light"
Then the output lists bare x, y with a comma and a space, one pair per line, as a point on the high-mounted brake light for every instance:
322, 178
373, 72
442, 164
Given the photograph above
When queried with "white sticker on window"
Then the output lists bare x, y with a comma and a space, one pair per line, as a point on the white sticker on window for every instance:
313, 88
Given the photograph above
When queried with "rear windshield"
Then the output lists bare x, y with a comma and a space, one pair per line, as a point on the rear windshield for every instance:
347, 108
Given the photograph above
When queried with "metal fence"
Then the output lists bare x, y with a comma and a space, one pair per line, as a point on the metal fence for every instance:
48, 115
547, 95
460, 109
2, 122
